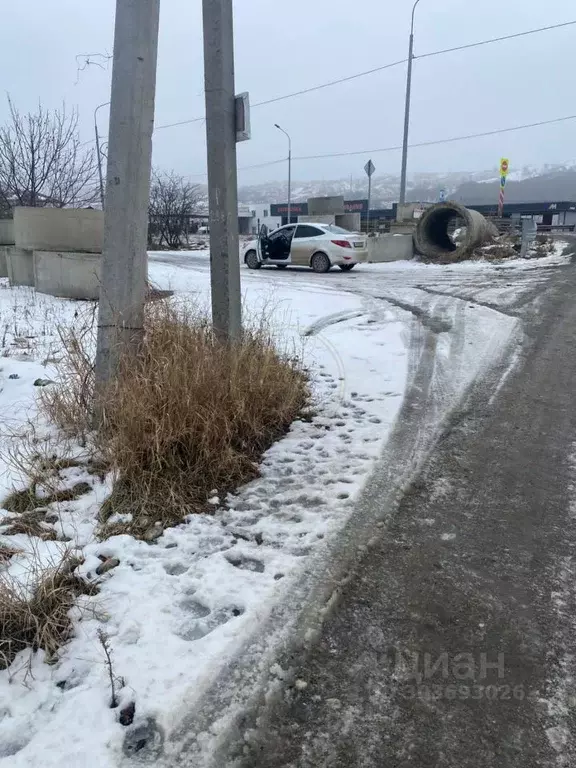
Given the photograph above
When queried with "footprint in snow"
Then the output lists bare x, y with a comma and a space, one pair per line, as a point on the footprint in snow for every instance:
202, 620
175, 569
246, 563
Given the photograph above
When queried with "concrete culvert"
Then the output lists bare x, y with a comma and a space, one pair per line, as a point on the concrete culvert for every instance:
434, 238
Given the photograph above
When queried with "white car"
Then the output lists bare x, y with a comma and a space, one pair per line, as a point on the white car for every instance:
320, 246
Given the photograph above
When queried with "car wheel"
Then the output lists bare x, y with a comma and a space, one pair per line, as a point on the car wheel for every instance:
346, 267
252, 261
320, 262
281, 266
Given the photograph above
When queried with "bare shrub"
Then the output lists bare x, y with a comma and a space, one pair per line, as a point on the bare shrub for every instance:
188, 416
69, 404
173, 200
35, 614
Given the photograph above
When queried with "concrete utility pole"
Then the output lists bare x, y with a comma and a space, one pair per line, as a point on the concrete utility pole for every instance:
289, 169
99, 153
124, 257
402, 199
222, 180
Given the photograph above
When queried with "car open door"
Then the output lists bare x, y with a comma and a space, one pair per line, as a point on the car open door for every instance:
262, 246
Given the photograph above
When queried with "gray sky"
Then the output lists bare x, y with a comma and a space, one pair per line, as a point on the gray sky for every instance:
283, 47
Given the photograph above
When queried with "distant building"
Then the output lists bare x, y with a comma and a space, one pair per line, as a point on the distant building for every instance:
252, 216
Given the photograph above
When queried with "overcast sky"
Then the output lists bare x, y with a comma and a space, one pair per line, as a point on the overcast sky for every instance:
283, 47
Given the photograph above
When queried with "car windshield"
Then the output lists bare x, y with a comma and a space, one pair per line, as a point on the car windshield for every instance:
337, 230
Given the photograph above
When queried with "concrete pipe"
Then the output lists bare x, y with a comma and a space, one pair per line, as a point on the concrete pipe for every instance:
432, 238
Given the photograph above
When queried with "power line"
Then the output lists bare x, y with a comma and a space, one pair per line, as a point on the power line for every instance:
495, 40
181, 122
384, 67
434, 142
242, 168
431, 143
331, 83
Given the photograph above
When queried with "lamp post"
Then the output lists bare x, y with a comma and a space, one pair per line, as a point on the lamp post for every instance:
407, 111
289, 168
98, 152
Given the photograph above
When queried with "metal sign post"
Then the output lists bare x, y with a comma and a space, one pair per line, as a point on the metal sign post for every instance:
369, 168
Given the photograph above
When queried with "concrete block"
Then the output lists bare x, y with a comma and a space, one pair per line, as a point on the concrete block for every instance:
350, 221
3, 261
59, 229
6, 232
388, 247
68, 275
317, 206
20, 266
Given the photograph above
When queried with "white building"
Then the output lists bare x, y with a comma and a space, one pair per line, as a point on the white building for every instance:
260, 214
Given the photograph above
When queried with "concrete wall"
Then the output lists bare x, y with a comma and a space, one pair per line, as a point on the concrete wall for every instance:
20, 266
3, 260
59, 229
6, 232
66, 274
327, 218
390, 248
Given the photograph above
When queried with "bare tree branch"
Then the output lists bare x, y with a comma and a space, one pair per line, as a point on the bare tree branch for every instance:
42, 162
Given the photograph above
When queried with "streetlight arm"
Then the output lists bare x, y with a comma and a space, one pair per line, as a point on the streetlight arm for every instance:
285, 134
413, 12
105, 104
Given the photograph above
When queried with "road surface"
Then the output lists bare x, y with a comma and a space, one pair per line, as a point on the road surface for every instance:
452, 642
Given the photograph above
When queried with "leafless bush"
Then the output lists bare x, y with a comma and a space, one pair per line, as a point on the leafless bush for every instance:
42, 162
189, 415
172, 201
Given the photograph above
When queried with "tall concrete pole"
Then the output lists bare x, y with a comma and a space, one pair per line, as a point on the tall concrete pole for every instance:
289, 169
124, 257
222, 176
407, 111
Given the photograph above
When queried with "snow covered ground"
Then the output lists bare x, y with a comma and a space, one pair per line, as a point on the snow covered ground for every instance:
178, 611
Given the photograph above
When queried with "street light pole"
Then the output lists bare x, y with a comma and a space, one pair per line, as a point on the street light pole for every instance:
407, 111
289, 168
99, 153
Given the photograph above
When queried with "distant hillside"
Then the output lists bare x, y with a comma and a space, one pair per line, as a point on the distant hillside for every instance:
528, 184
548, 188
422, 186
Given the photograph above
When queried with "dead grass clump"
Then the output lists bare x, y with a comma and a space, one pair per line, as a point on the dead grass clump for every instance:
36, 615
189, 416
30, 524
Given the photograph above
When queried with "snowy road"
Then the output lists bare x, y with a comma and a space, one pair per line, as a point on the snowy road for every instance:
216, 613
452, 641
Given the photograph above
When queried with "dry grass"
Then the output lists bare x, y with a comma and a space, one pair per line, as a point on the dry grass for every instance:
30, 524
36, 614
189, 416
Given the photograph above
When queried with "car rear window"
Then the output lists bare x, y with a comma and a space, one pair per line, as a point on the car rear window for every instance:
305, 230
